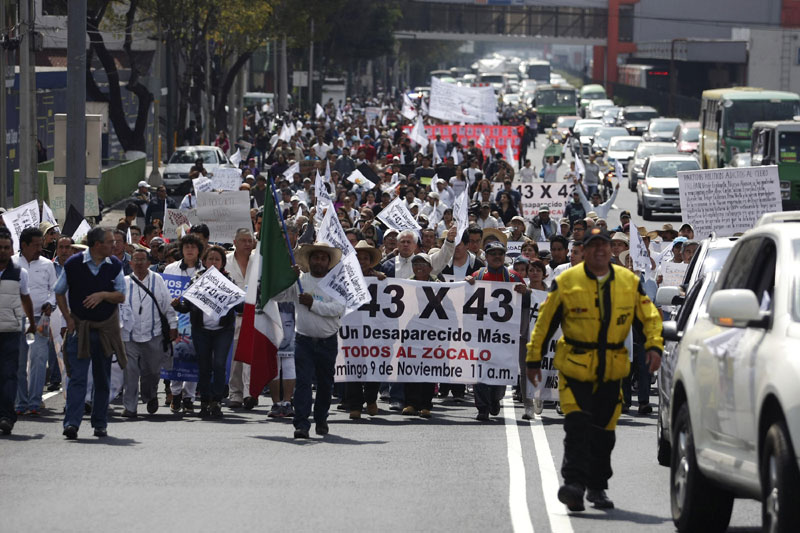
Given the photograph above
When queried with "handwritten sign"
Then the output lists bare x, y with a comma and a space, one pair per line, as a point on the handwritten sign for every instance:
672, 273
214, 294
202, 184
728, 200
22, 217
226, 179
397, 216
176, 218
224, 213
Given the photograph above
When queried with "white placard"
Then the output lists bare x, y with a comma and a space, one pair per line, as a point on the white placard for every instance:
728, 200
358, 178
289, 172
226, 179
176, 218
397, 216
47, 214
331, 231
19, 218
214, 294
450, 102
415, 331
461, 214
672, 273
346, 283
555, 196
224, 213
638, 251
81, 231
201, 184
547, 390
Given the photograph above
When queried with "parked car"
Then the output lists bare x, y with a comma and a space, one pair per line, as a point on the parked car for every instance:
662, 130
636, 118
621, 148
735, 402
643, 151
659, 189
687, 135
176, 172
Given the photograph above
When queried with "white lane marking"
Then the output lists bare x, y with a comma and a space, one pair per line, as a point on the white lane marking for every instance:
556, 511
517, 492
50, 395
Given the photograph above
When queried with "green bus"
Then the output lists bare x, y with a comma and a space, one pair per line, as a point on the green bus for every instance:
777, 142
553, 101
727, 117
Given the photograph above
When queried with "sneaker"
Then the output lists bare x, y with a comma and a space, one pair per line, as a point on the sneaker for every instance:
100, 432
175, 404
372, 409
425, 413
645, 409
494, 410
287, 410
6, 426
235, 404
341, 407
301, 434
528, 414
355, 414
571, 495
558, 408
188, 405
152, 406
599, 498
249, 403
396, 406
215, 410
276, 411
409, 410
538, 406
128, 414
321, 428
35, 412
54, 386
482, 416
71, 432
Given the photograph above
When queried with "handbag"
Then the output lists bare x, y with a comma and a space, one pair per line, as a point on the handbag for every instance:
166, 341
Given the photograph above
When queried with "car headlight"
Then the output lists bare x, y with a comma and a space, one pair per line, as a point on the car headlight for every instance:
653, 190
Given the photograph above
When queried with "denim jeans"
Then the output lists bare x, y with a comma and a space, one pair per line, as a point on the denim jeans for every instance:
52, 364
212, 347
78, 376
313, 357
9, 360
30, 386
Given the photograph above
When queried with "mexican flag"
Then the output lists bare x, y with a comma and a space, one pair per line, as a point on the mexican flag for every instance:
262, 328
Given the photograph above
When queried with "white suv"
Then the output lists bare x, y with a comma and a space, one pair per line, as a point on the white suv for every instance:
735, 410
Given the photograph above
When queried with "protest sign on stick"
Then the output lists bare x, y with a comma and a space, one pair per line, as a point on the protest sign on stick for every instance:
397, 216
22, 217
214, 294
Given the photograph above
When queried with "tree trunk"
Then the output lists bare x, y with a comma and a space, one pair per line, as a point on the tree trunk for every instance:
223, 89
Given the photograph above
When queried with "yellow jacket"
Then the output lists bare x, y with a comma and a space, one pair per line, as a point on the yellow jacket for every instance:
591, 349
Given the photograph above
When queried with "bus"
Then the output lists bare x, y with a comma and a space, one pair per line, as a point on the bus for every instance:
553, 101
539, 70
727, 117
777, 142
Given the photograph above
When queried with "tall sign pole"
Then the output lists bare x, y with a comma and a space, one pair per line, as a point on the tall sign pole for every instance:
76, 106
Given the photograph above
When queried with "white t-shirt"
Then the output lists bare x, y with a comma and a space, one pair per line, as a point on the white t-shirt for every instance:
23, 281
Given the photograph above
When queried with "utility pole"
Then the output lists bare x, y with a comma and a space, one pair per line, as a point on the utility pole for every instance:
207, 99
311, 71
170, 102
284, 78
75, 178
28, 172
155, 176
3, 147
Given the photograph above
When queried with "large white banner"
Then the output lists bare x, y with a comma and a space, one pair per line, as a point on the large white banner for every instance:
224, 213
22, 217
226, 179
728, 200
556, 196
214, 294
414, 331
475, 105
397, 216
548, 388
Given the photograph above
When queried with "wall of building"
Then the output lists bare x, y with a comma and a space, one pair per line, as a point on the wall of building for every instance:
774, 58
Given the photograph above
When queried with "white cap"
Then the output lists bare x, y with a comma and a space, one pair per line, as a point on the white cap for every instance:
143, 184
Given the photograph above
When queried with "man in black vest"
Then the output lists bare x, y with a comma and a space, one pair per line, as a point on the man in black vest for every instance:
13, 289
96, 286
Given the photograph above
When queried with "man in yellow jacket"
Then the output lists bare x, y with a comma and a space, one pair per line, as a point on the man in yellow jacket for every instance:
596, 304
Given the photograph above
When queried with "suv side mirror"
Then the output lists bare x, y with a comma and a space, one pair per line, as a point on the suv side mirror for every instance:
669, 296
669, 330
736, 308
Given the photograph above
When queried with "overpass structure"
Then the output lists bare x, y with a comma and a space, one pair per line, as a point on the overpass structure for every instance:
578, 22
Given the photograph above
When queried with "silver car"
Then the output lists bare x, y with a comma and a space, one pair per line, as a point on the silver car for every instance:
176, 173
659, 189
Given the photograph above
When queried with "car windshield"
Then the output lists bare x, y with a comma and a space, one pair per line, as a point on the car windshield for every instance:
691, 135
625, 145
640, 115
566, 122
670, 169
607, 133
788, 146
590, 129
740, 116
188, 157
715, 259
493, 79
555, 98
645, 151
599, 95
664, 126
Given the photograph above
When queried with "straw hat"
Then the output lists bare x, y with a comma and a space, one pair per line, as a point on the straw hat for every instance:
375, 254
623, 257
305, 251
492, 232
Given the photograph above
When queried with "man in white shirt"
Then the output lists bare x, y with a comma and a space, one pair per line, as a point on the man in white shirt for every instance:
433, 209
601, 209
238, 265
41, 282
400, 265
142, 334
486, 220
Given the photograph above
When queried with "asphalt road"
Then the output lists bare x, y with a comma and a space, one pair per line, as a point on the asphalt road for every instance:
386, 473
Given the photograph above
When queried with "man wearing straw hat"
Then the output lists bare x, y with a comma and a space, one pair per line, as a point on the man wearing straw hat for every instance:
316, 328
